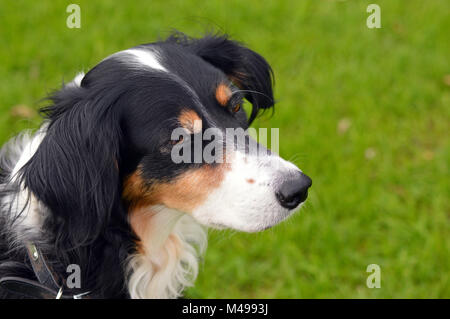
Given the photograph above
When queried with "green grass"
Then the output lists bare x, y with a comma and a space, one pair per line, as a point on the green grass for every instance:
380, 183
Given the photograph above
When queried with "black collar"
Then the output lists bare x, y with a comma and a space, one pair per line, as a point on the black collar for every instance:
49, 284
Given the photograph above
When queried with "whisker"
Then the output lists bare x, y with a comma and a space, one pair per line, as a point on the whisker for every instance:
252, 91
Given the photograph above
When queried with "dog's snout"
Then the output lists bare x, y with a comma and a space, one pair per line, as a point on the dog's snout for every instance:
294, 191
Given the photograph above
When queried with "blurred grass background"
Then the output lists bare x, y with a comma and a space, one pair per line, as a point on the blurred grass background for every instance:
364, 112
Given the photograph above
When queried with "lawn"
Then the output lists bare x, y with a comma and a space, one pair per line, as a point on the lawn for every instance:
364, 112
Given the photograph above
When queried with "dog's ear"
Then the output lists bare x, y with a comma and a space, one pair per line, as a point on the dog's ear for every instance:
74, 171
246, 68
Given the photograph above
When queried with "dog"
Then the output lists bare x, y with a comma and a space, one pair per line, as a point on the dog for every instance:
95, 191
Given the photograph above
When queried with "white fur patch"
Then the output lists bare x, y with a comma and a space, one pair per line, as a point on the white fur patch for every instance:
23, 203
76, 82
146, 57
169, 263
78, 78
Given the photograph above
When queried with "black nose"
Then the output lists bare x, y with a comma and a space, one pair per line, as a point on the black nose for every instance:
294, 191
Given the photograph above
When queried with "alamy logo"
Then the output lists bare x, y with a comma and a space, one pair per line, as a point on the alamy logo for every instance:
373, 20
215, 146
374, 279
74, 19
74, 279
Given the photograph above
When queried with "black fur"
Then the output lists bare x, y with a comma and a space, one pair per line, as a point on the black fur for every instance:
246, 67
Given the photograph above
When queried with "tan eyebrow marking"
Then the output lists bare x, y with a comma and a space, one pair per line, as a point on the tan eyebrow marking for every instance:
190, 120
223, 94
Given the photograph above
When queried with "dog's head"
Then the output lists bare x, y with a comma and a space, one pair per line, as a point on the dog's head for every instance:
116, 136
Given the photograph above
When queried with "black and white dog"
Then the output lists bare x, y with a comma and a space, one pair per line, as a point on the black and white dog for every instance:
96, 186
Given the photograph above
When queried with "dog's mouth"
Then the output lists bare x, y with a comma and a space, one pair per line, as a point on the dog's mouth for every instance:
277, 218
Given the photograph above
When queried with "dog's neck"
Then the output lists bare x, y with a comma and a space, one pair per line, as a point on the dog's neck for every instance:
166, 261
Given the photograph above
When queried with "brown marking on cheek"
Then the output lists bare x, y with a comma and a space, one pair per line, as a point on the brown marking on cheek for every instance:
250, 180
134, 189
223, 94
135, 193
184, 193
192, 188
190, 120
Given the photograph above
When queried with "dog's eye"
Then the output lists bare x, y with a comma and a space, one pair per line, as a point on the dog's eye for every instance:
236, 108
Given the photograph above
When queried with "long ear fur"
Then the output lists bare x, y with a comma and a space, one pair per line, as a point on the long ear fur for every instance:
246, 68
74, 172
